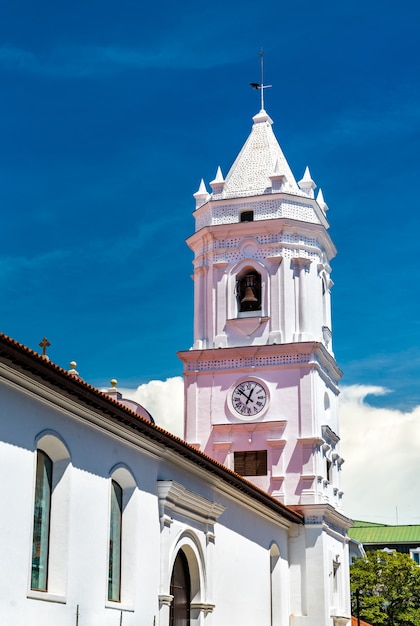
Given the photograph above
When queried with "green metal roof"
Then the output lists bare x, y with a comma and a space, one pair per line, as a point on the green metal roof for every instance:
358, 523
370, 533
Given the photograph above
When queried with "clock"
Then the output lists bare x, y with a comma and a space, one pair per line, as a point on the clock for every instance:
249, 398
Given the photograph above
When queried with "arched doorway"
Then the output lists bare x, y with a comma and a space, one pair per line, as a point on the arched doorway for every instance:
181, 592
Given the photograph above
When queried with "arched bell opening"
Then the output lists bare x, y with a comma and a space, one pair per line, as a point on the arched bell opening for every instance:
249, 291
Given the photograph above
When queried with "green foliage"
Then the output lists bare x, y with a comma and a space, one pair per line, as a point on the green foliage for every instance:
389, 589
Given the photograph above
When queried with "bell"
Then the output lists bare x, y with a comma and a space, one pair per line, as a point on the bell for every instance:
249, 301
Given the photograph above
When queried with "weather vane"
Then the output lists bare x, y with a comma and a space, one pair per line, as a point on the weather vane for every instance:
261, 85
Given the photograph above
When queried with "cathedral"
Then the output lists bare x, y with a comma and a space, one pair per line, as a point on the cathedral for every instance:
111, 520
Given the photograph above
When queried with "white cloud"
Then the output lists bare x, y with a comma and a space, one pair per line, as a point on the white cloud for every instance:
380, 446
164, 400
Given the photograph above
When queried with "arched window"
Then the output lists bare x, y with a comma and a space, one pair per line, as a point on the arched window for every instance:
181, 592
41, 530
249, 291
51, 517
115, 535
275, 586
122, 538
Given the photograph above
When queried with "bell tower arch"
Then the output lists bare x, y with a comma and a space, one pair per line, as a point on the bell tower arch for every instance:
246, 294
249, 291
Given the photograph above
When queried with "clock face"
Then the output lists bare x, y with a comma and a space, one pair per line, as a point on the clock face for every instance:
249, 398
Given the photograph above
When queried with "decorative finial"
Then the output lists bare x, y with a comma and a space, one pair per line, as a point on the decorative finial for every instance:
277, 178
44, 344
307, 184
201, 195
321, 201
261, 85
217, 184
113, 391
73, 370
219, 181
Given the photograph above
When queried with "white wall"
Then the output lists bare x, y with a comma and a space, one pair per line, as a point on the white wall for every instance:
232, 554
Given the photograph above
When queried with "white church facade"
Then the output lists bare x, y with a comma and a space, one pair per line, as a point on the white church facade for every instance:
109, 519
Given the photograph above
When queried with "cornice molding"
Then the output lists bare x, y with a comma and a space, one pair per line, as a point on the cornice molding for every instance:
312, 354
175, 499
329, 436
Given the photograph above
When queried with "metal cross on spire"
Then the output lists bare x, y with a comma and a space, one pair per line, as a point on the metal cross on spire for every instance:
261, 85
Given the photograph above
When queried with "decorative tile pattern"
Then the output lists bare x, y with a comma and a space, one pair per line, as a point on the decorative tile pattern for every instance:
259, 361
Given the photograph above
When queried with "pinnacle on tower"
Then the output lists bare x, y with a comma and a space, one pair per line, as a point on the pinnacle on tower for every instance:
201, 195
307, 184
277, 178
218, 183
321, 202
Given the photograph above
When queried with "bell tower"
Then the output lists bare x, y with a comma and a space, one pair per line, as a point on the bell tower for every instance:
261, 381
261, 378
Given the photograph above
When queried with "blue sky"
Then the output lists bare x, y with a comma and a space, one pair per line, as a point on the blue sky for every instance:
110, 114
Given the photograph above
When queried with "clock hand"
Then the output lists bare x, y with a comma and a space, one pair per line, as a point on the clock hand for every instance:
249, 397
244, 394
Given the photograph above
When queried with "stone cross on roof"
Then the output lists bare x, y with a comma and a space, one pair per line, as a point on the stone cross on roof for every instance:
44, 344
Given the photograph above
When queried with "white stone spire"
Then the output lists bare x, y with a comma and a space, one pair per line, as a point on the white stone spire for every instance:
201, 195
321, 202
219, 177
218, 184
307, 184
261, 155
277, 178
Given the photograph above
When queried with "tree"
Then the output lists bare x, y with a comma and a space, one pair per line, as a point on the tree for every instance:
388, 586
